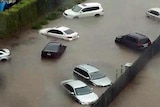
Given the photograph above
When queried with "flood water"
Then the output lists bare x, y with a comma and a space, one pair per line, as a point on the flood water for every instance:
29, 81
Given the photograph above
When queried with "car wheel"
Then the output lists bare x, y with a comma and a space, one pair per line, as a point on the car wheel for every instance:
76, 17
4, 60
97, 15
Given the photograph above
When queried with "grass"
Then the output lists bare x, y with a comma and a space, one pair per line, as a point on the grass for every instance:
55, 14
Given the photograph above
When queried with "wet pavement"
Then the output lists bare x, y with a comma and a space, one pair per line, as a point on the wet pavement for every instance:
29, 81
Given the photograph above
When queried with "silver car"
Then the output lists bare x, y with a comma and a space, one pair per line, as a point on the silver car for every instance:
92, 75
80, 91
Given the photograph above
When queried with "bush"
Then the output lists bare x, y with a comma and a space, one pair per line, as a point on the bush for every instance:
58, 12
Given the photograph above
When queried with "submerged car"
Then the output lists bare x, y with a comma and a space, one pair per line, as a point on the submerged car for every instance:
79, 91
5, 54
153, 13
92, 75
84, 10
134, 40
61, 32
53, 50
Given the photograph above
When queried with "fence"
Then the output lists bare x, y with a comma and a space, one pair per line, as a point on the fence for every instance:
109, 95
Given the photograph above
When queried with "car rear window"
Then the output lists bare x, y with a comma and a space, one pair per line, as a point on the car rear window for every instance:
52, 47
143, 41
83, 90
69, 31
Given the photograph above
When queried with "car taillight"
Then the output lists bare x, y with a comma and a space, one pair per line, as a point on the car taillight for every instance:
139, 44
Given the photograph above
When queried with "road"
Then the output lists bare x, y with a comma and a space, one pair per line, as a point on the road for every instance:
29, 81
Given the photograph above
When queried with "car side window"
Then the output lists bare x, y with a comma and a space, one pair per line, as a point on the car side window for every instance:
68, 87
87, 9
59, 32
52, 31
154, 12
94, 8
82, 72
90, 9
55, 31
85, 74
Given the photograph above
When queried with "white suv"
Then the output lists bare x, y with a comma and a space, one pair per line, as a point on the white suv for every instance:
84, 10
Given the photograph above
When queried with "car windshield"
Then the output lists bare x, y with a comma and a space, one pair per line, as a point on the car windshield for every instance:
76, 8
83, 90
96, 75
69, 31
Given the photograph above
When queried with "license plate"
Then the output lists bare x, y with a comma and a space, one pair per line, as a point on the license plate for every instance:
49, 54
145, 45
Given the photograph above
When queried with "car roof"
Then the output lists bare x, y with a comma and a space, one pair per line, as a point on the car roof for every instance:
52, 46
83, 5
88, 68
137, 35
61, 28
76, 83
155, 9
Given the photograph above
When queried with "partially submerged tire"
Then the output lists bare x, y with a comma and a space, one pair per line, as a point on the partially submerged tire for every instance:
97, 15
76, 17
3, 60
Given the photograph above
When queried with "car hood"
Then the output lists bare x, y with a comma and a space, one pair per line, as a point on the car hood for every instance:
102, 82
87, 99
70, 12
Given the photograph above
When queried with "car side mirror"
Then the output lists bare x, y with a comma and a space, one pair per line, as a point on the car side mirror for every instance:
72, 93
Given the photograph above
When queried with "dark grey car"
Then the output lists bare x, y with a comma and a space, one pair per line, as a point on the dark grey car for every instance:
53, 50
134, 40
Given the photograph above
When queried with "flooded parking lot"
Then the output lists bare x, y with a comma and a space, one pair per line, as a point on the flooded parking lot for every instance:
29, 81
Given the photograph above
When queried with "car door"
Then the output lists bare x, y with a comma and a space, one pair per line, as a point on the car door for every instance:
55, 33
129, 41
69, 89
154, 14
87, 12
81, 73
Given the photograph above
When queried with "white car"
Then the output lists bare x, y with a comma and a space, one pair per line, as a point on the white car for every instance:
4, 54
80, 91
153, 13
60, 32
84, 10
92, 75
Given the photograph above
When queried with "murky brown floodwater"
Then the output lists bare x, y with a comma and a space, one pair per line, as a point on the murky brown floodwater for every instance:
28, 81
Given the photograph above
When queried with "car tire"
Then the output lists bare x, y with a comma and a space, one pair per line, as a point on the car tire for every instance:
76, 17
3, 60
97, 15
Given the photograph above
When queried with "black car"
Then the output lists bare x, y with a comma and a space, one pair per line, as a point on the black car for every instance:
53, 50
134, 40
